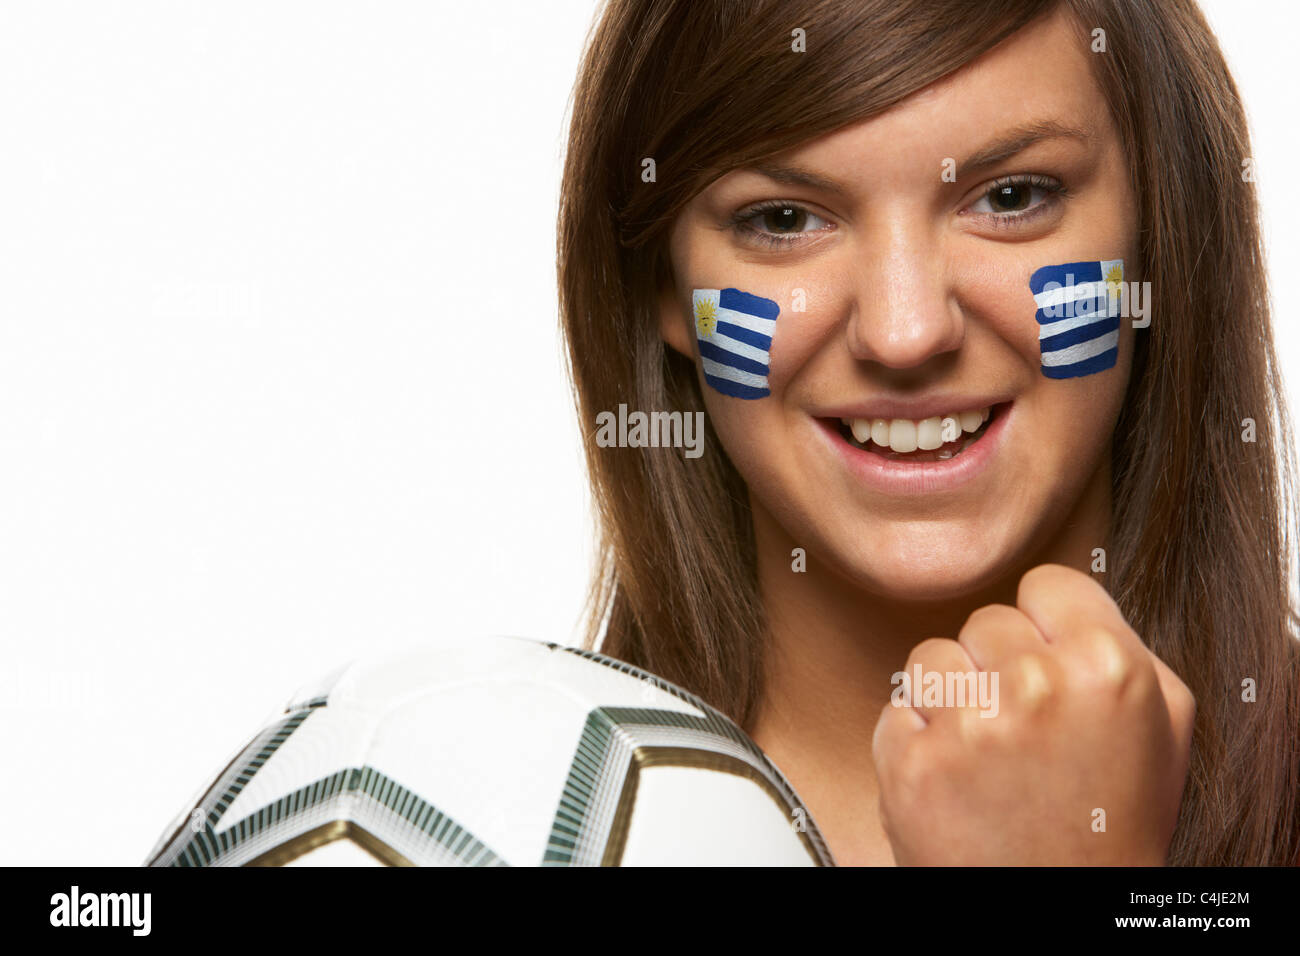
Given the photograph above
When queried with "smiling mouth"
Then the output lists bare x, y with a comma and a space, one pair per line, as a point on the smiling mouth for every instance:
908, 440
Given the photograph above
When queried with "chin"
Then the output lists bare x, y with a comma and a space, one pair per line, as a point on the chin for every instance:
929, 564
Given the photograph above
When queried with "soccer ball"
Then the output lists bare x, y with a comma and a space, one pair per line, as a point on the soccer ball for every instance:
496, 752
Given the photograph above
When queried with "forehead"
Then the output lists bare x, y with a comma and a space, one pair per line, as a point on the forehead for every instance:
1042, 74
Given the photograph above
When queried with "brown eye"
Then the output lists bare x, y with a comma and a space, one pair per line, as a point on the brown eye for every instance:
1014, 197
778, 223
1010, 198
785, 219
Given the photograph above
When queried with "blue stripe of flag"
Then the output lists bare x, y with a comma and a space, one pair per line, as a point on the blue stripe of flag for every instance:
735, 389
1070, 308
739, 301
742, 334
721, 355
1083, 333
1081, 272
1078, 309
1098, 363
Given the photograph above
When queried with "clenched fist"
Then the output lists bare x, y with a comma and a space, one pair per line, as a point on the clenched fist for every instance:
1082, 760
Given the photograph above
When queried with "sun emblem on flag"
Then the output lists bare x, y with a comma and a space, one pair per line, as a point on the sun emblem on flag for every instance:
1114, 278
706, 317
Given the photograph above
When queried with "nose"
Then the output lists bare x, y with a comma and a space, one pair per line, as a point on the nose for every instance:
903, 314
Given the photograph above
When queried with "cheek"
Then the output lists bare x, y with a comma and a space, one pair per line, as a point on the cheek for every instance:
1083, 345
1078, 308
1070, 329
812, 313
1071, 353
1063, 319
751, 338
735, 330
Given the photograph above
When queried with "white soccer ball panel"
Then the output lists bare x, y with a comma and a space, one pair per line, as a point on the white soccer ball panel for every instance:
686, 816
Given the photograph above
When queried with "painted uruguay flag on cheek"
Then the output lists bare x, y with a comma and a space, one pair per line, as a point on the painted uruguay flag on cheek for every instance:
734, 331
1078, 316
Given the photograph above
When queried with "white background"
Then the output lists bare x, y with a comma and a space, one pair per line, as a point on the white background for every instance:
280, 371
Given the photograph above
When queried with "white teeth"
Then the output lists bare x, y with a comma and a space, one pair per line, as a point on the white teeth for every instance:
927, 434
904, 435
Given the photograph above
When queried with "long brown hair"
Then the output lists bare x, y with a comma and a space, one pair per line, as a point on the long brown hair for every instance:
1202, 535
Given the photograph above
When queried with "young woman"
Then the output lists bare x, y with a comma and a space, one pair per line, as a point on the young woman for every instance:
841, 229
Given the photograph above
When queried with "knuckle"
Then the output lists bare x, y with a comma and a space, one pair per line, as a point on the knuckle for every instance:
1044, 577
1032, 681
995, 617
997, 734
1108, 663
1056, 580
930, 649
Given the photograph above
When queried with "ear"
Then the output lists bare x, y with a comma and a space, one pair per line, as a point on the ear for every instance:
674, 327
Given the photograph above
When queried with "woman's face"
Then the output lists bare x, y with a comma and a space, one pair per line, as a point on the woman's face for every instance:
917, 305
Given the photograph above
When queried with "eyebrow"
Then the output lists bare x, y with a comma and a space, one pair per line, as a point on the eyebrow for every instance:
1019, 139
797, 176
1015, 141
